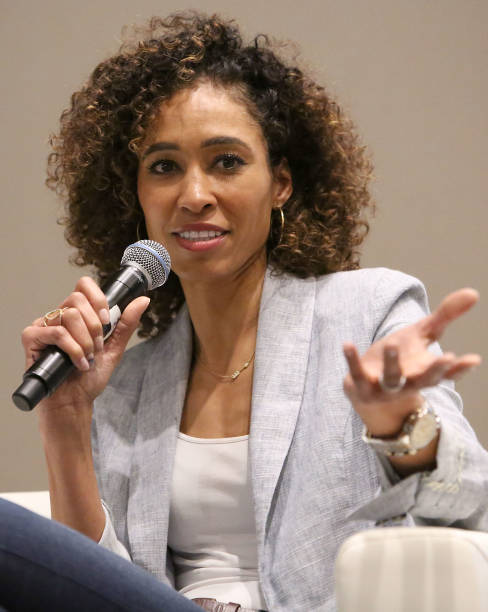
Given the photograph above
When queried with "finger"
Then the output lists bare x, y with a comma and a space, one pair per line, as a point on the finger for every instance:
91, 302
75, 323
32, 343
125, 327
434, 373
392, 372
79, 318
36, 338
358, 373
92, 291
463, 366
53, 317
95, 296
451, 307
86, 328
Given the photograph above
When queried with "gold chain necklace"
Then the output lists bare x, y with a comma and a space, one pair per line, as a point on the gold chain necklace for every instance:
227, 378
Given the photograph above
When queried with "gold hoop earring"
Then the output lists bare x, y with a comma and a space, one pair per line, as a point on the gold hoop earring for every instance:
138, 230
282, 226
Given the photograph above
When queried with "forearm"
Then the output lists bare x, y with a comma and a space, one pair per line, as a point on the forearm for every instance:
75, 499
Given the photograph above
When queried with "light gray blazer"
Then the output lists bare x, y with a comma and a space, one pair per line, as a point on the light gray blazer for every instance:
314, 481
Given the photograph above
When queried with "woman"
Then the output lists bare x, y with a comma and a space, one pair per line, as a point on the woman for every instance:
227, 449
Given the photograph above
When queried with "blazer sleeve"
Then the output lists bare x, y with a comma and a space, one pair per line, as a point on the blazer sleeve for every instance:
456, 492
108, 538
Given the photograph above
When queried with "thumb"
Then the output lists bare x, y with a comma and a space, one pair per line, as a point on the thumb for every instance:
126, 326
452, 306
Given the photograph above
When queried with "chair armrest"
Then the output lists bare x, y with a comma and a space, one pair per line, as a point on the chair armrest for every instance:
418, 568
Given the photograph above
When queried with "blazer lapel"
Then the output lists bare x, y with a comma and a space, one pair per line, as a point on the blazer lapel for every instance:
159, 414
282, 348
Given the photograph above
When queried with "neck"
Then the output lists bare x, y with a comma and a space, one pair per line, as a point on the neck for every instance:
225, 318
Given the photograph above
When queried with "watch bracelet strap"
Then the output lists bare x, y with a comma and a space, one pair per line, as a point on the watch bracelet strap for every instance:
397, 447
400, 446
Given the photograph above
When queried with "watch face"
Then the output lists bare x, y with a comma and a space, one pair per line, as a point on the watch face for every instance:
423, 431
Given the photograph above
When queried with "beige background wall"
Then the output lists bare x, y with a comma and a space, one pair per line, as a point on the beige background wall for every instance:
414, 76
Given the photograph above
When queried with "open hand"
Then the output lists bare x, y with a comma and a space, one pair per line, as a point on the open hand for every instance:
384, 383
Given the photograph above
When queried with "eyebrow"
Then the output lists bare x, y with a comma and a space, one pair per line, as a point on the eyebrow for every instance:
210, 142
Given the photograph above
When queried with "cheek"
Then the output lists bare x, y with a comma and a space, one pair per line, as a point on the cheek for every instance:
150, 200
257, 224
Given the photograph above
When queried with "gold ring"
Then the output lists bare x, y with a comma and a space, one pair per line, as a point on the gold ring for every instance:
52, 315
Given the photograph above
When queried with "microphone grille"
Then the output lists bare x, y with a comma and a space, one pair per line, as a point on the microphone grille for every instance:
152, 258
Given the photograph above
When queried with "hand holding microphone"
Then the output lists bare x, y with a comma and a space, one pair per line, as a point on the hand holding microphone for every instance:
70, 337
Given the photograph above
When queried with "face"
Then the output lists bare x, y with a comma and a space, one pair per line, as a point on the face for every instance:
206, 187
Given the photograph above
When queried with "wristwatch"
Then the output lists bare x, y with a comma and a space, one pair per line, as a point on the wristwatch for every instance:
418, 430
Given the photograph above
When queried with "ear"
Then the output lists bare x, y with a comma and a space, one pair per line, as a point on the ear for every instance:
283, 184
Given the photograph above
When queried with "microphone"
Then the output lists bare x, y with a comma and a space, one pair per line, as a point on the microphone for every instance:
145, 265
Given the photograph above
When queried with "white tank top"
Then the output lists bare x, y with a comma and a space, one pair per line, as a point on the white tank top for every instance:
212, 533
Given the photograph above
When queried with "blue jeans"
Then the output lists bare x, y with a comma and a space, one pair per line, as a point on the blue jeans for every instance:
46, 567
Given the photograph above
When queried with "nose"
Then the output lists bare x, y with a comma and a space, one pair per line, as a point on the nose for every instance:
196, 191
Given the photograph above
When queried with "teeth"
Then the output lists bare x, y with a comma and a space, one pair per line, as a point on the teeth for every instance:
206, 235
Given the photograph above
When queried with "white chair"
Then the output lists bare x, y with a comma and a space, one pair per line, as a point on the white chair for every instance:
36, 501
420, 569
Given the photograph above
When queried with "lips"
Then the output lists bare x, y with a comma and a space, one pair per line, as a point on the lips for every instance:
200, 236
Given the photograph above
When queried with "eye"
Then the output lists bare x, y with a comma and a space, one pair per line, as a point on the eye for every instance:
163, 166
229, 161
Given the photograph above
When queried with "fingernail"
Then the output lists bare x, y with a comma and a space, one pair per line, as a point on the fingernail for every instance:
98, 344
90, 357
83, 364
104, 316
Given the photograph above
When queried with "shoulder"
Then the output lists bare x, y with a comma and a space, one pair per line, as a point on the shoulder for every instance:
374, 301
357, 301
382, 284
358, 286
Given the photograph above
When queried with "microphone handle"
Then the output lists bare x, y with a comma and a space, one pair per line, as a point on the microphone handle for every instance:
54, 365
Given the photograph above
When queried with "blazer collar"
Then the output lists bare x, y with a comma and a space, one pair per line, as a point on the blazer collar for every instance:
282, 348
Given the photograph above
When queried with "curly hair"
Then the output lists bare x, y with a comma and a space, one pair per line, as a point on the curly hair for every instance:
94, 160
